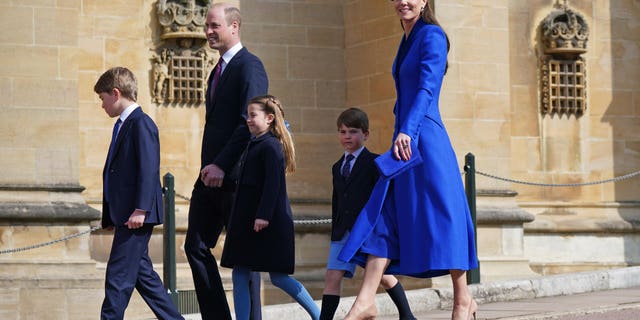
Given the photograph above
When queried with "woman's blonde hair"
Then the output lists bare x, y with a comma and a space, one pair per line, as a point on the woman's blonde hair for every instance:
271, 105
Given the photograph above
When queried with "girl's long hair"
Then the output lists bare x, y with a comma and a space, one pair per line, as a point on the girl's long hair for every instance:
271, 105
429, 17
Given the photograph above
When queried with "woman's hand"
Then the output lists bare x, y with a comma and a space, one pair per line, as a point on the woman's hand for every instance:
402, 147
260, 224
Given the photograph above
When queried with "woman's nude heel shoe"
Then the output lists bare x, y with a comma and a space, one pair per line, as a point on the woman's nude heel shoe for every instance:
367, 314
466, 313
473, 309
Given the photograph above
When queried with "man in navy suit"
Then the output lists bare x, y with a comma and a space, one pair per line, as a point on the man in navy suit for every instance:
238, 77
132, 199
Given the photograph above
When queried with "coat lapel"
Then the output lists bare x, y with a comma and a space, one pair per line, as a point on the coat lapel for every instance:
230, 67
223, 78
405, 47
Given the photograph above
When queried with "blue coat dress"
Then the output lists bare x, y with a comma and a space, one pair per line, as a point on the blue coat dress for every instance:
420, 219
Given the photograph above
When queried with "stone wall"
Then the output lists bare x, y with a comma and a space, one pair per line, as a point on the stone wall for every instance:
38, 83
600, 145
321, 57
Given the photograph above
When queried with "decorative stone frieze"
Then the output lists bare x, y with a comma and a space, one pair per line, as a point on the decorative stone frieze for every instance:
180, 64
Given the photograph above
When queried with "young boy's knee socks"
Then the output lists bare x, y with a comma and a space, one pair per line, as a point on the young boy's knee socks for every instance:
400, 299
329, 305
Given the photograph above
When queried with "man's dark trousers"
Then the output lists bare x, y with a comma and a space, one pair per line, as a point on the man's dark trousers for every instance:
212, 299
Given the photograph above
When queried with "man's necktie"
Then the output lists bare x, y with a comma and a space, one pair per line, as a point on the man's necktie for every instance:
217, 70
346, 168
112, 146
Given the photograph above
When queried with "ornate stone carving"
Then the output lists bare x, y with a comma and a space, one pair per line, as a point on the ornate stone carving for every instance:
179, 66
182, 18
564, 34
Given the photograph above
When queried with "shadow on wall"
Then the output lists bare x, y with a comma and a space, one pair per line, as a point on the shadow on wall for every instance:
623, 114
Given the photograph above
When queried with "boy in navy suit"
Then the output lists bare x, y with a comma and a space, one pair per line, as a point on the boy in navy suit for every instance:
132, 199
354, 176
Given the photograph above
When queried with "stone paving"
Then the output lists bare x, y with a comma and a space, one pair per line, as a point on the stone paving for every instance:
610, 294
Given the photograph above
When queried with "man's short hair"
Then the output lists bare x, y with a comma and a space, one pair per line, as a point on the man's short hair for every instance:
231, 13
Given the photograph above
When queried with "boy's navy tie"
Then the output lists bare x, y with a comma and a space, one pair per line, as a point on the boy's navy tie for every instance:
346, 168
114, 136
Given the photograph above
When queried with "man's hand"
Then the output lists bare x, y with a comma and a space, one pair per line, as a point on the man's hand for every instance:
260, 224
212, 176
136, 219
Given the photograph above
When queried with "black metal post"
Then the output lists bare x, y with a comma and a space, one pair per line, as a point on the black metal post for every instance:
473, 276
169, 238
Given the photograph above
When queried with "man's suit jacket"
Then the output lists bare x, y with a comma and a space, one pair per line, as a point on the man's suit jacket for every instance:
134, 174
351, 194
225, 130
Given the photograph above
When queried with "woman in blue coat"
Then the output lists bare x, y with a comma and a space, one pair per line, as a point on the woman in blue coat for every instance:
417, 223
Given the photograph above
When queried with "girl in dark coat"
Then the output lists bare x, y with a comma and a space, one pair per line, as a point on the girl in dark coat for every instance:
260, 232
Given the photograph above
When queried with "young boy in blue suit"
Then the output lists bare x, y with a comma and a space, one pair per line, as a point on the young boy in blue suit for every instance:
132, 199
354, 176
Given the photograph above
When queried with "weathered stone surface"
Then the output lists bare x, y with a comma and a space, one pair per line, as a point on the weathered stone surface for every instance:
324, 56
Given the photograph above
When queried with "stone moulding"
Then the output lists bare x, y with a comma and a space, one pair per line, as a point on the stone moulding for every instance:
46, 211
42, 187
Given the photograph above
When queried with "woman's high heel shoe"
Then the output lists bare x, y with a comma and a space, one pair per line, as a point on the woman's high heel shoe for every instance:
473, 309
368, 313
465, 313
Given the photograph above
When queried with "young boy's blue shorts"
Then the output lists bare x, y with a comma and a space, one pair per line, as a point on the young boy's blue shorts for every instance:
334, 263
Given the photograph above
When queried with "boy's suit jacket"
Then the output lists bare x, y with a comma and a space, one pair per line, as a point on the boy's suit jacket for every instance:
351, 194
134, 176
225, 130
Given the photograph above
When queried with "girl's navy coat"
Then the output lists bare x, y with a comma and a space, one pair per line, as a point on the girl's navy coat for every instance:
261, 193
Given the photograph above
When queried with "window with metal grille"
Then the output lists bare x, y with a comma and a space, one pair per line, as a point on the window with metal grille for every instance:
563, 86
187, 79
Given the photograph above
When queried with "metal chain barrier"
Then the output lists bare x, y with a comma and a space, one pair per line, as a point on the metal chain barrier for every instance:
75, 235
312, 221
328, 220
626, 176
